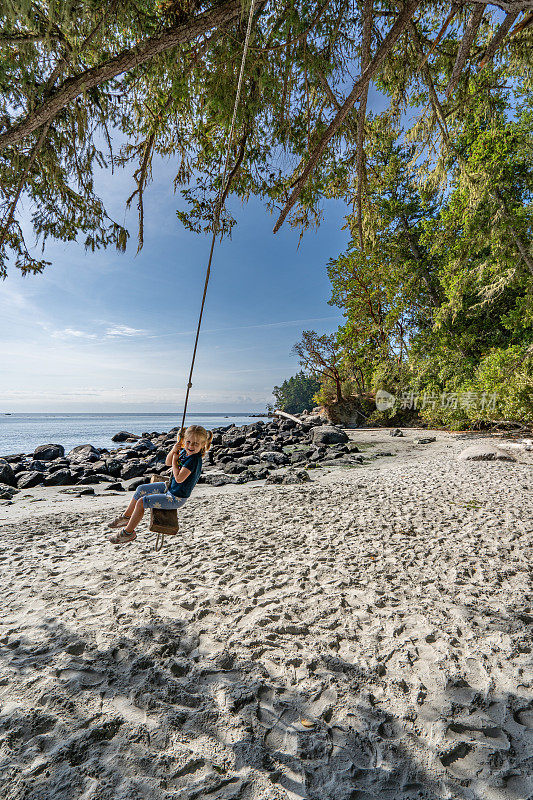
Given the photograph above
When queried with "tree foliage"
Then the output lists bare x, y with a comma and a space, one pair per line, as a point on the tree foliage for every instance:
296, 394
161, 76
440, 300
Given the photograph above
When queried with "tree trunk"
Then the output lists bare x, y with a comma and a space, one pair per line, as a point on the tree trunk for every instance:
421, 263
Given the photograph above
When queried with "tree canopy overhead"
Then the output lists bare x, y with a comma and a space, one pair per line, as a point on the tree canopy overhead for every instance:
74, 73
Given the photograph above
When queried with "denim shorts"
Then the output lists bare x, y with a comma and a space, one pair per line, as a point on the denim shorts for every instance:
156, 495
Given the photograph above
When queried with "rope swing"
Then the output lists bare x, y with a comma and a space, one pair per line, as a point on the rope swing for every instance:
166, 523
219, 203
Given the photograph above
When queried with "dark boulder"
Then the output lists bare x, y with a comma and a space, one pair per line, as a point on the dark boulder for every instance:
328, 434
299, 455
7, 492
26, 480
48, 452
61, 477
248, 460
215, 480
352, 447
233, 440
84, 452
234, 468
6, 473
144, 444
298, 476
273, 457
124, 436
132, 469
273, 479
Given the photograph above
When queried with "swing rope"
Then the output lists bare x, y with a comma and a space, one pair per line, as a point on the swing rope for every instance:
224, 189
219, 205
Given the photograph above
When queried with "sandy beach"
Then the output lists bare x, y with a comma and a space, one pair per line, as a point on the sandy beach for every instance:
363, 636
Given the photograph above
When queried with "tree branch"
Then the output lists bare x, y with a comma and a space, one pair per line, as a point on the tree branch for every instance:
140, 54
383, 50
497, 39
33, 155
464, 48
366, 42
22, 38
453, 11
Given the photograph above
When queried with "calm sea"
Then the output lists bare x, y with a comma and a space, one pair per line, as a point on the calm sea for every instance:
22, 433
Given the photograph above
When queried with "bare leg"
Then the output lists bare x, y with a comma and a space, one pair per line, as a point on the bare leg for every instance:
129, 511
136, 517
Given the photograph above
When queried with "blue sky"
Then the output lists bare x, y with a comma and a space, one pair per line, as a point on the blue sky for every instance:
114, 332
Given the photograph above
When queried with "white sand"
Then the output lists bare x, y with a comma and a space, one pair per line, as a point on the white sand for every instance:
364, 636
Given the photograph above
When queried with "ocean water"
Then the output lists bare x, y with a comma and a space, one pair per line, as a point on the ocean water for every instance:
22, 433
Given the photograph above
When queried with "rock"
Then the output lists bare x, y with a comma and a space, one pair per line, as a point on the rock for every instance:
7, 491
132, 469
216, 480
13, 458
124, 436
234, 468
272, 457
6, 473
115, 486
276, 478
144, 444
328, 434
134, 483
61, 463
426, 440
396, 432
248, 461
484, 452
233, 440
299, 476
84, 452
299, 455
314, 419
99, 466
61, 477
258, 472
26, 480
47, 452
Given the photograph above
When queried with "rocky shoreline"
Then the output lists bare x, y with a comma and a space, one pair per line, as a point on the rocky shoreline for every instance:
240, 454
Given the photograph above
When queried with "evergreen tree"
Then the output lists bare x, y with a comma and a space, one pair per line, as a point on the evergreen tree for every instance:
162, 75
296, 394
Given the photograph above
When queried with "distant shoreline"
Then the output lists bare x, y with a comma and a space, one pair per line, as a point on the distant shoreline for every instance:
22, 432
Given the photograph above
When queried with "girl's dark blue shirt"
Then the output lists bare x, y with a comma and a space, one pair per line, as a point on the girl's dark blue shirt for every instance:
194, 463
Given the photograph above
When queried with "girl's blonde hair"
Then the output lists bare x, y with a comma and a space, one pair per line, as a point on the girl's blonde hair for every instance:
201, 433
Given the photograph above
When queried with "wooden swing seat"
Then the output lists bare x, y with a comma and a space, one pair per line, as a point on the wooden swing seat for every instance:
163, 520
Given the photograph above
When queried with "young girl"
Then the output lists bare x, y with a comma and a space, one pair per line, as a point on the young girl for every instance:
185, 458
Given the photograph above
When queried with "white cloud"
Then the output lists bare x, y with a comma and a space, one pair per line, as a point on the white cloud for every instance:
123, 330
67, 333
